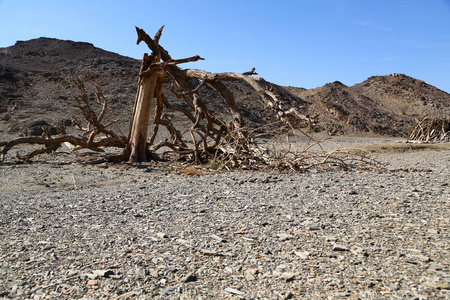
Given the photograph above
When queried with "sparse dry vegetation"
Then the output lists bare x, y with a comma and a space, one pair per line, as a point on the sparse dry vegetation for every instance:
431, 129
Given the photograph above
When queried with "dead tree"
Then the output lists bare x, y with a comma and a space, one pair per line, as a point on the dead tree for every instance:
210, 136
431, 130
207, 131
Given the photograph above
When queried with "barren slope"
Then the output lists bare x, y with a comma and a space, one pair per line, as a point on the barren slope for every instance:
36, 83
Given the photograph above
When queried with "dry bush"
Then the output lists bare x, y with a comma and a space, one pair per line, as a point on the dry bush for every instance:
295, 151
431, 130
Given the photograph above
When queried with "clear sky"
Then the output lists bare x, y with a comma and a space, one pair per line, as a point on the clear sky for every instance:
302, 43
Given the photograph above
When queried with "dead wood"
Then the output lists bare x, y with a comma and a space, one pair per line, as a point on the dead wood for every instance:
95, 136
209, 139
208, 134
431, 130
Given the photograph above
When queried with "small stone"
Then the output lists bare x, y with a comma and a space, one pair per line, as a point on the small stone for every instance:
92, 282
438, 285
210, 252
284, 236
127, 295
234, 291
288, 276
250, 274
72, 272
340, 248
142, 272
103, 273
332, 255
288, 295
153, 273
189, 278
184, 242
359, 251
217, 238
418, 258
89, 275
14, 289
353, 297
161, 235
280, 268
302, 255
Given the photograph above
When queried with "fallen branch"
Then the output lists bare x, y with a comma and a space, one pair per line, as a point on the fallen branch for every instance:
431, 130
95, 135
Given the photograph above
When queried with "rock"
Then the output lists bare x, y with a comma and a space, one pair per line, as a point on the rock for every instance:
103, 273
288, 295
359, 251
217, 238
161, 235
284, 236
418, 258
302, 255
280, 268
439, 285
153, 273
127, 295
142, 272
340, 248
191, 277
234, 291
287, 276
36, 128
211, 252
314, 227
92, 282
250, 274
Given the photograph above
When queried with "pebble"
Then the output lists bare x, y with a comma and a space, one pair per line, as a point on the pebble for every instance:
103, 273
284, 236
234, 291
217, 238
161, 235
302, 254
250, 274
340, 248
191, 277
92, 282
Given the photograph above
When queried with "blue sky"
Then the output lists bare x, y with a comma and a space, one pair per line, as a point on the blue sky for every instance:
303, 43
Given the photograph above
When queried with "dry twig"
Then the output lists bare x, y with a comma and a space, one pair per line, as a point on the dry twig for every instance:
431, 130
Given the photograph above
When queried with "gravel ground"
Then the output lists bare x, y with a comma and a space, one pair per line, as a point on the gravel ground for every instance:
71, 231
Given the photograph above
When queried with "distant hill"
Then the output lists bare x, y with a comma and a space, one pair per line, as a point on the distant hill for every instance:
36, 83
381, 104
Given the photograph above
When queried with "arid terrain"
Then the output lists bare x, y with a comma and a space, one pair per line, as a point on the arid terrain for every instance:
36, 83
71, 230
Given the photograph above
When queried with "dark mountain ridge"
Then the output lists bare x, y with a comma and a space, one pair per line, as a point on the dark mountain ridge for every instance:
36, 83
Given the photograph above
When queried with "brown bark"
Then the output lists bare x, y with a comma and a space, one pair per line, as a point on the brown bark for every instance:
137, 139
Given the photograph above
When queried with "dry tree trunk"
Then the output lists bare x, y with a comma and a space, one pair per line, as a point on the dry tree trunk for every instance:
137, 139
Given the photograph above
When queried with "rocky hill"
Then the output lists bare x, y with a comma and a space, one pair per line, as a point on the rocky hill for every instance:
381, 104
36, 84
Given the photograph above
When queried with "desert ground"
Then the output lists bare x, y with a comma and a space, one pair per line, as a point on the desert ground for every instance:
69, 230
